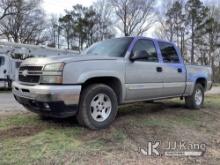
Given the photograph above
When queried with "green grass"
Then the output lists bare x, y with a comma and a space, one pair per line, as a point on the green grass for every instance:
212, 102
19, 120
169, 120
45, 145
52, 145
190, 118
51, 142
119, 136
55, 142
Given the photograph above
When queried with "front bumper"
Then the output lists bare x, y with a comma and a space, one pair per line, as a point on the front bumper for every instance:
49, 100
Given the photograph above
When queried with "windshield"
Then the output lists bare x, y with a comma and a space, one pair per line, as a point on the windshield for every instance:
114, 47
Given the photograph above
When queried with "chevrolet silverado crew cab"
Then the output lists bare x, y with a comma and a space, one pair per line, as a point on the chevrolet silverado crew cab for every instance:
108, 74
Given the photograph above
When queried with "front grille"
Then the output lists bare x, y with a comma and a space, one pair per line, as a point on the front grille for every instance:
29, 79
30, 74
31, 68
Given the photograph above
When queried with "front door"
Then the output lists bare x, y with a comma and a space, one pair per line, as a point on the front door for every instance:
144, 78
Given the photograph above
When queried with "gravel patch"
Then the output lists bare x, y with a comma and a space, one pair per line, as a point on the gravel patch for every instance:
9, 104
214, 91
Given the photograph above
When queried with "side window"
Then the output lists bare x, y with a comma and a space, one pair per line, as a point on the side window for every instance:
149, 47
169, 53
17, 64
2, 61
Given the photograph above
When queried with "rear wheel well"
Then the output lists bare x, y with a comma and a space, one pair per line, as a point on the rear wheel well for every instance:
112, 82
202, 81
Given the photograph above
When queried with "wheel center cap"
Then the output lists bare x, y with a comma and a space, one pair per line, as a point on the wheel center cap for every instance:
100, 107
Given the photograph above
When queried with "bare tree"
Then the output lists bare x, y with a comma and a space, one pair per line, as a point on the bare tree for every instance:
6, 7
54, 31
164, 30
136, 16
66, 23
104, 28
27, 24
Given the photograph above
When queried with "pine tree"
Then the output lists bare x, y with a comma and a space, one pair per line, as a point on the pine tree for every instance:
197, 15
175, 21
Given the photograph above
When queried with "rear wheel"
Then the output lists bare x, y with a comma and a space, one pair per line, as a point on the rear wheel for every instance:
98, 106
195, 101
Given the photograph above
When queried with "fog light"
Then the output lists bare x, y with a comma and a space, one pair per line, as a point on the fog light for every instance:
47, 106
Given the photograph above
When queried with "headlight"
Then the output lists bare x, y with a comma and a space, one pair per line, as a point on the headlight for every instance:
54, 67
52, 74
51, 79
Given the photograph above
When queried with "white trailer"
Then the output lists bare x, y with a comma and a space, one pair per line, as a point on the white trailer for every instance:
8, 70
12, 54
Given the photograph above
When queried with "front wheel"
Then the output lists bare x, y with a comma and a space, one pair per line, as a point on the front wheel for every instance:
195, 101
98, 106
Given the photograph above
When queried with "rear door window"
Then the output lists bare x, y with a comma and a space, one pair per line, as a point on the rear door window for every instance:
169, 53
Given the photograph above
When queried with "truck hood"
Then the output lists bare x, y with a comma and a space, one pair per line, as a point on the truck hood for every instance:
65, 59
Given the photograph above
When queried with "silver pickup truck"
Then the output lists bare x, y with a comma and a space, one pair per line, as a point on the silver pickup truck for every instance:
108, 74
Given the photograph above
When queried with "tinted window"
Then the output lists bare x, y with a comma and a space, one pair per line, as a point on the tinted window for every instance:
2, 61
113, 47
17, 64
149, 47
168, 52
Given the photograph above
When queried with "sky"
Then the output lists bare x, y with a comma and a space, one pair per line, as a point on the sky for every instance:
57, 6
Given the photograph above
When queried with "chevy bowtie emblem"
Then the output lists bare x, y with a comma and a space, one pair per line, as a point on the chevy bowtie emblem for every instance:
25, 73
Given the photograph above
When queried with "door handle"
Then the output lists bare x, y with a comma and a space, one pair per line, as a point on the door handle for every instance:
159, 69
179, 70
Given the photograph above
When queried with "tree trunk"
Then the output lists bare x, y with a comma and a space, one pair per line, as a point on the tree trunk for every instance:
182, 43
213, 68
125, 22
58, 39
16, 39
219, 69
192, 44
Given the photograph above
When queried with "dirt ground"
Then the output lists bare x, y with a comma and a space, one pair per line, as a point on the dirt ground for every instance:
25, 138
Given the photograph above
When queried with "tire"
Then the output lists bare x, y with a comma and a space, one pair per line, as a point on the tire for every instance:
98, 106
44, 117
9, 84
196, 100
150, 101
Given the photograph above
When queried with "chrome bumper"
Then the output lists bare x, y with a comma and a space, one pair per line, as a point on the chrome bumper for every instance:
69, 94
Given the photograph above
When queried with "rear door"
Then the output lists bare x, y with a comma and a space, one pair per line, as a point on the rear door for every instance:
144, 79
174, 70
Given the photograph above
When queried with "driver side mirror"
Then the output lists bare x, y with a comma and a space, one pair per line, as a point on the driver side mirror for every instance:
139, 55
